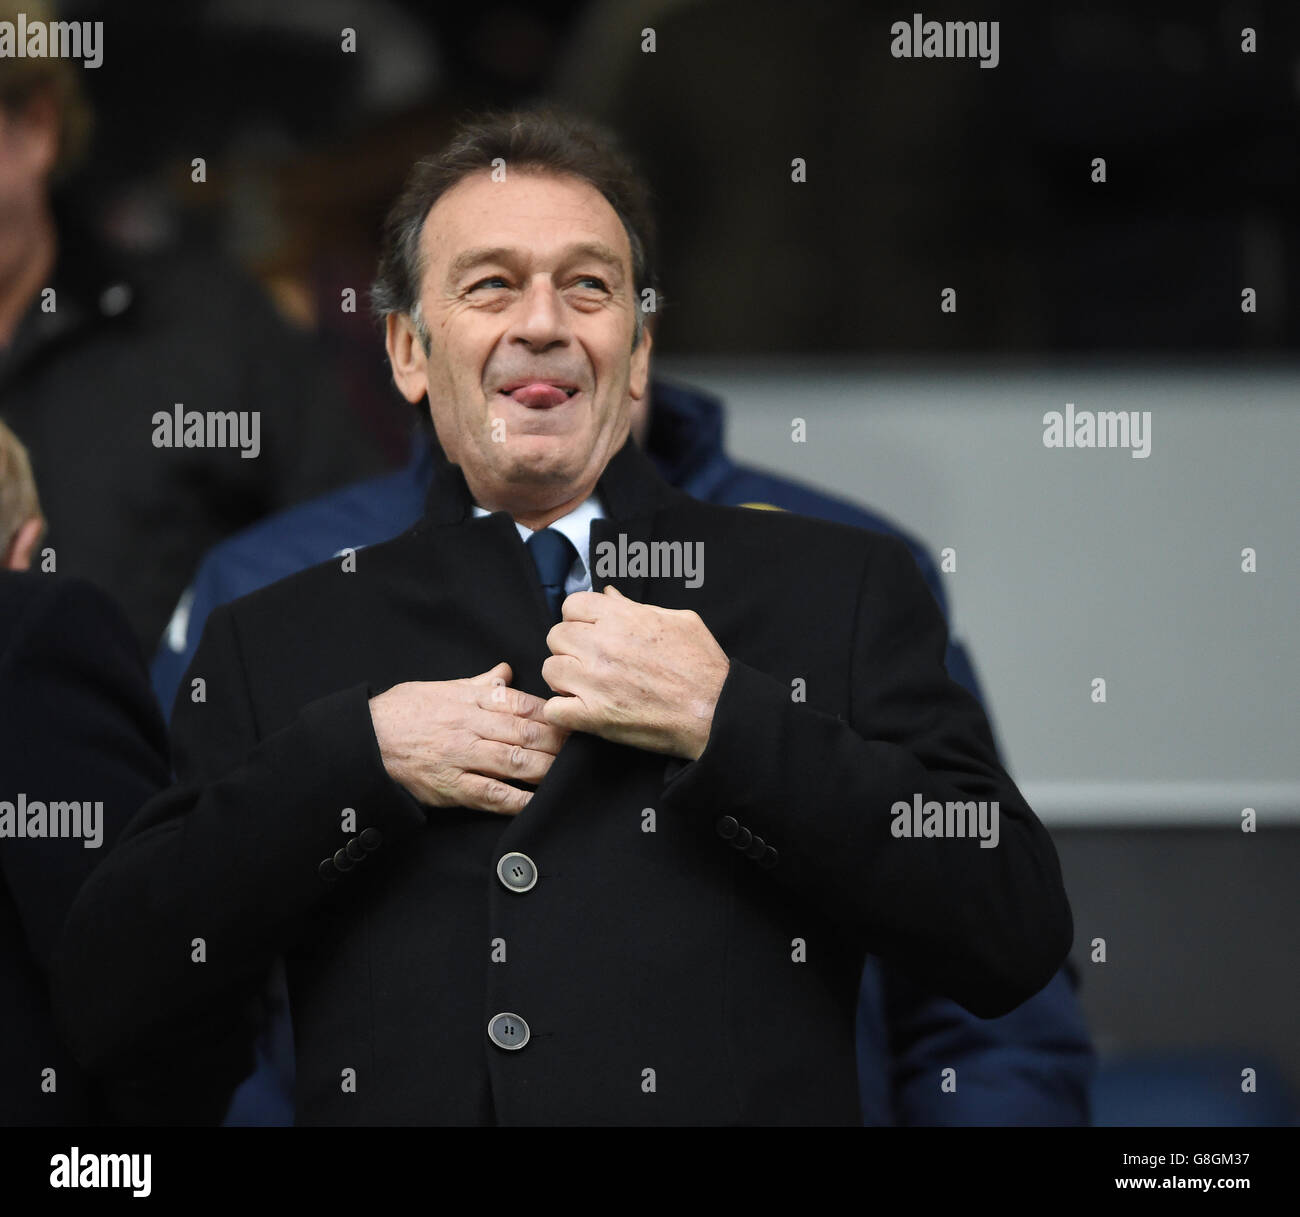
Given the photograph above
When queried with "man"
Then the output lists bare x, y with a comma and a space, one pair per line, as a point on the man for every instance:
96, 343
1032, 1066
82, 746
619, 867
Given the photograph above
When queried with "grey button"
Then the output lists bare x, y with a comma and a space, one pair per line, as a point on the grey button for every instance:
355, 852
769, 858
517, 872
342, 861
508, 1031
371, 839
742, 839
326, 871
727, 827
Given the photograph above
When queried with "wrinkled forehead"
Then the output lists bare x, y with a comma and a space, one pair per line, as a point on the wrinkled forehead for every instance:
537, 218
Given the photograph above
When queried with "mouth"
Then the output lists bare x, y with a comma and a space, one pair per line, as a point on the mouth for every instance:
539, 394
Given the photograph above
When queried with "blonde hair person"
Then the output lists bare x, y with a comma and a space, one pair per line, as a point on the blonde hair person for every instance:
21, 522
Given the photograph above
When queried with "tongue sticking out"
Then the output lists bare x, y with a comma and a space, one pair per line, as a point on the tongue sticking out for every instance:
539, 395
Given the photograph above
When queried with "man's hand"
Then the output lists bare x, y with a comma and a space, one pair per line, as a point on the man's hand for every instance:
450, 742
634, 673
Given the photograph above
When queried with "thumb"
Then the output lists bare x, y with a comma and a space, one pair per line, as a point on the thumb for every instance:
499, 675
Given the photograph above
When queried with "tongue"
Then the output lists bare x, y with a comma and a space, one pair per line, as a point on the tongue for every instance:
539, 395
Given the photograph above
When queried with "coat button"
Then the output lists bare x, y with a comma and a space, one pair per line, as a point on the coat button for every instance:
326, 870
342, 861
355, 852
769, 858
727, 827
756, 848
508, 1031
742, 839
517, 872
371, 839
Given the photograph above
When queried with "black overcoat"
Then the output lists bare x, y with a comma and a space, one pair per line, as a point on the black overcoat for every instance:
691, 948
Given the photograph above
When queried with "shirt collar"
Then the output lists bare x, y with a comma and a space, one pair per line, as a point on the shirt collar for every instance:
630, 487
576, 525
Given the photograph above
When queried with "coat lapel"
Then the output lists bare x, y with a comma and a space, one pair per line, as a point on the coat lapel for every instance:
502, 581
630, 489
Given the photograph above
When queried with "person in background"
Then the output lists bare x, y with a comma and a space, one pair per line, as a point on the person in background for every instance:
164, 402
82, 746
21, 523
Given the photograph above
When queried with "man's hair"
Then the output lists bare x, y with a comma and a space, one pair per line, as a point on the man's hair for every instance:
24, 80
18, 501
545, 140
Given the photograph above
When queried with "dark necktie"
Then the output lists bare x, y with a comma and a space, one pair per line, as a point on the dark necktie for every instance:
553, 555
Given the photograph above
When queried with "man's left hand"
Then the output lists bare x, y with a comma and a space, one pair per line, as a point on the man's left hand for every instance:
634, 674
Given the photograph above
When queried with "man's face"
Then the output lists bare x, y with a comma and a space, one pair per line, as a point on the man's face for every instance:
530, 306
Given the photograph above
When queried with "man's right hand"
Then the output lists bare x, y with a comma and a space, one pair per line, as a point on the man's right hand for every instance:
451, 742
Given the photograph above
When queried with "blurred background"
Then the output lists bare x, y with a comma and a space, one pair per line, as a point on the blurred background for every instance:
820, 300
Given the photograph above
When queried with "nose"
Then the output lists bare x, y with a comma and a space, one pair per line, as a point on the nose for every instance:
539, 319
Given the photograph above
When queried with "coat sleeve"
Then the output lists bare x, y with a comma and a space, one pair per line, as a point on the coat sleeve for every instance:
226, 864
986, 927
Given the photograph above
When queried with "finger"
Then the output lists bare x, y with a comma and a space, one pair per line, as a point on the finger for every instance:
582, 606
567, 637
499, 675
567, 713
562, 675
512, 729
505, 700
611, 590
489, 794
513, 762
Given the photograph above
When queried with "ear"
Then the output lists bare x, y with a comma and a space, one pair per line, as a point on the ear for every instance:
639, 374
39, 125
19, 554
406, 357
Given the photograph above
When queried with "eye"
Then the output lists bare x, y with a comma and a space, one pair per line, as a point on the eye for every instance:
600, 283
485, 282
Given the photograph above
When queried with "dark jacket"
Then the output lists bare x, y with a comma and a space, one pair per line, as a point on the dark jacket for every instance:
1032, 1066
722, 951
78, 723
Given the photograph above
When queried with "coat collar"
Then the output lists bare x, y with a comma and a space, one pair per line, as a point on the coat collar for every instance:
630, 487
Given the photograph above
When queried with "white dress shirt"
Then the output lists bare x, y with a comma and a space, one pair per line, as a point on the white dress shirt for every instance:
577, 527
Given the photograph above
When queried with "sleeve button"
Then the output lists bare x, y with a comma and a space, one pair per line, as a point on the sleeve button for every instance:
727, 827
